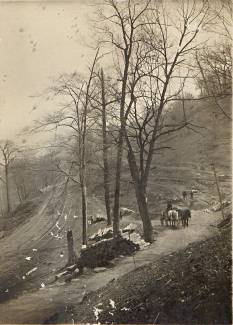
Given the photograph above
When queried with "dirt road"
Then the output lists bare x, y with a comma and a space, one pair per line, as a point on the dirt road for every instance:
39, 304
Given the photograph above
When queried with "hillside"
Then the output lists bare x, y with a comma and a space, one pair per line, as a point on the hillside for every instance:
187, 164
189, 286
34, 239
40, 236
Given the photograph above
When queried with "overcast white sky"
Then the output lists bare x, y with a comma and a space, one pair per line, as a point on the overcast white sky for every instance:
38, 41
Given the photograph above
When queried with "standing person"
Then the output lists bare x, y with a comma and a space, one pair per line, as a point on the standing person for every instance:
169, 205
184, 193
191, 194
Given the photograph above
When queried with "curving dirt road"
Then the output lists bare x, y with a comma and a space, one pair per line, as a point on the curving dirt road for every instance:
38, 304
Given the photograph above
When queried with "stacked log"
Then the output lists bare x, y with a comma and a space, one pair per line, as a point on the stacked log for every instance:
100, 253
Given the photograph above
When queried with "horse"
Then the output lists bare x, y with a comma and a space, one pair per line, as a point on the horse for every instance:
184, 215
163, 218
174, 217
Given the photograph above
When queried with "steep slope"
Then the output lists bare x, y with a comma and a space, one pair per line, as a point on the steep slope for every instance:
192, 285
187, 164
36, 248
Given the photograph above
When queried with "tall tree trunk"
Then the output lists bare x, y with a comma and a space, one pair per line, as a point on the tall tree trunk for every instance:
18, 192
82, 150
116, 209
143, 209
84, 211
105, 152
140, 190
1, 203
7, 189
82, 173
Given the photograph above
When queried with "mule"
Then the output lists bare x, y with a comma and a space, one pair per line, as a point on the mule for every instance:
184, 215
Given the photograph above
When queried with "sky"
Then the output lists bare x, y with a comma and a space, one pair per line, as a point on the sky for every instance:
38, 41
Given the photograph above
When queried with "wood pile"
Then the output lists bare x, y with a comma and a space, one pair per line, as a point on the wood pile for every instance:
136, 239
105, 233
130, 228
100, 253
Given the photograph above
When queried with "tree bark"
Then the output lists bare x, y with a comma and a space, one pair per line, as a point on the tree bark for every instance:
116, 209
82, 150
7, 189
140, 190
105, 153
84, 213
71, 253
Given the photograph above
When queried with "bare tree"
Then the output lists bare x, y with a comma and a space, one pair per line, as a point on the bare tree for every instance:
215, 74
105, 150
105, 126
214, 61
119, 32
8, 151
150, 58
74, 116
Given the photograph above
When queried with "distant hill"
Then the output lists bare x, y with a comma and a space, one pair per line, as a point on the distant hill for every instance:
187, 164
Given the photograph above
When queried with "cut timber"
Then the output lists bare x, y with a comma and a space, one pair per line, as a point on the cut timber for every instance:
59, 275
100, 269
100, 253
130, 228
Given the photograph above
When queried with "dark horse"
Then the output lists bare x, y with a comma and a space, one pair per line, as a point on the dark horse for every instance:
184, 215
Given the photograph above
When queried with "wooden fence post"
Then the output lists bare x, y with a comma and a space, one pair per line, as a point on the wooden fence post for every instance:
218, 189
71, 253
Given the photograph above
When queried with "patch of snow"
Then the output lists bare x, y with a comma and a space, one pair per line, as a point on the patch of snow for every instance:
130, 228
57, 225
28, 258
34, 249
42, 285
101, 233
57, 236
112, 303
126, 211
125, 309
23, 277
65, 217
71, 267
84, 246
7, 290
59, 275
32, 270
137, 239
97, 311
76, 271
75, 217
